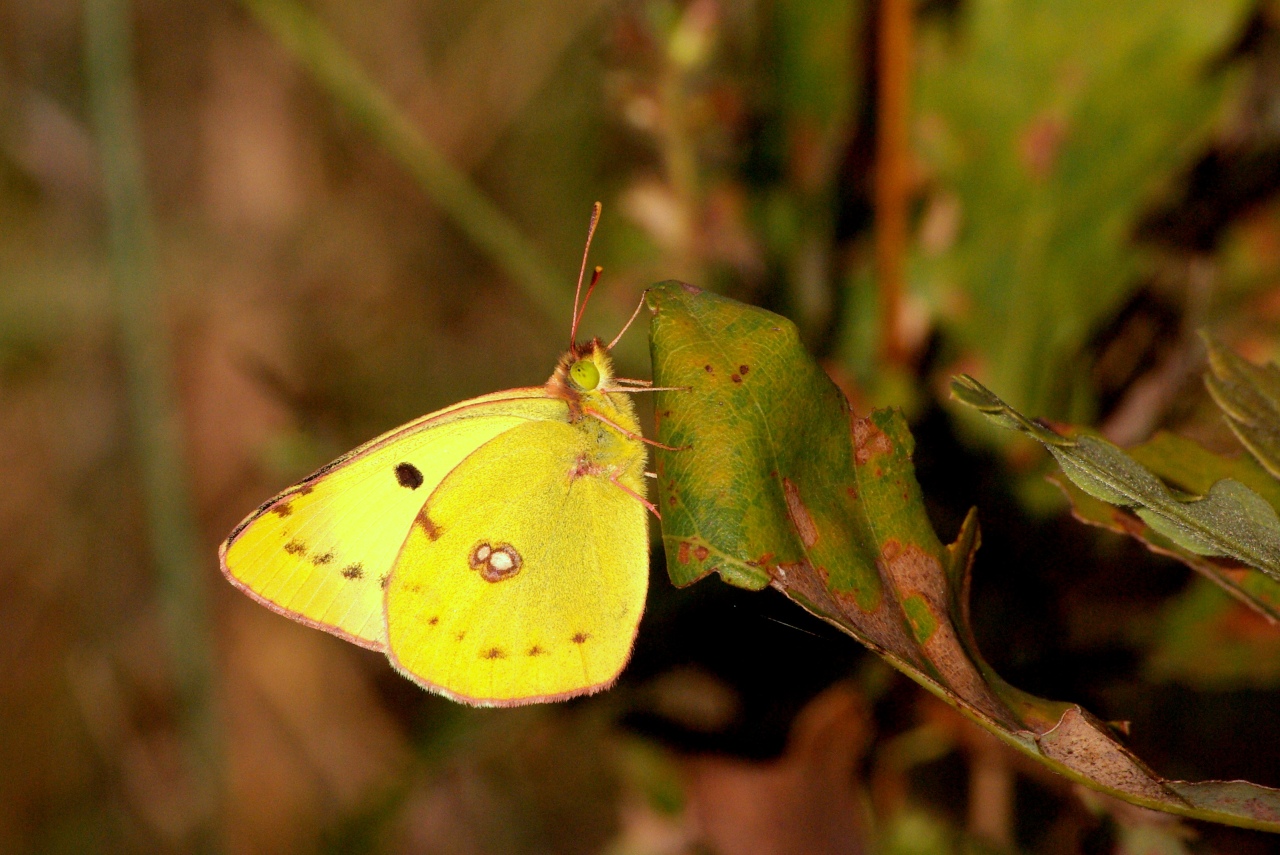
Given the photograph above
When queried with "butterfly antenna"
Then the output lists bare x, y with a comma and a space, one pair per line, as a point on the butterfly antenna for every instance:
577, 315
623, 332
586, 298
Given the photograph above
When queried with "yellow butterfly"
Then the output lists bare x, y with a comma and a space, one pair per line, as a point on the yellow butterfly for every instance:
496, 550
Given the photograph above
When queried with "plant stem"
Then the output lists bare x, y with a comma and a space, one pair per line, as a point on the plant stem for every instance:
893, 170
152, 410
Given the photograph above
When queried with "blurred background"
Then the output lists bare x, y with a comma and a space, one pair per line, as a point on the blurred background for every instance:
237, 239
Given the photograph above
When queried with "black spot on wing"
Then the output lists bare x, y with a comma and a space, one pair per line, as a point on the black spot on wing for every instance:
323, 559
580, 637
408, 475
283, 509
295, 547
353, 571
494, 653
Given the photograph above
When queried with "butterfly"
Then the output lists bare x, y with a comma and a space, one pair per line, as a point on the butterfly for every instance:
496, 550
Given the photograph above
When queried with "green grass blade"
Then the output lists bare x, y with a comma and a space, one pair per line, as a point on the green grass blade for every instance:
304, 36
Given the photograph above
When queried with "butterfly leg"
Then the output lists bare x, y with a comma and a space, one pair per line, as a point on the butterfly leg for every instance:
629, 435
613, 477
632, 390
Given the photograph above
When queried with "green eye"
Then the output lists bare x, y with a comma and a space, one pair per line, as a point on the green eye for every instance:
585, 375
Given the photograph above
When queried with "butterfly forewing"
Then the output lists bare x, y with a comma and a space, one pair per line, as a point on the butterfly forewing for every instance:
322, 551
525, 576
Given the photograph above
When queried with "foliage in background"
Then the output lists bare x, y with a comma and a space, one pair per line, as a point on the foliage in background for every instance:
1040, 150
749, 114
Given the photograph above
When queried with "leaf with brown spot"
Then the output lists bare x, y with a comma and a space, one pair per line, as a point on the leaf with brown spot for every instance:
783, 485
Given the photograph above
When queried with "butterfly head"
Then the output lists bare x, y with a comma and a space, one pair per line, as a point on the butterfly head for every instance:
585, 370
586, 367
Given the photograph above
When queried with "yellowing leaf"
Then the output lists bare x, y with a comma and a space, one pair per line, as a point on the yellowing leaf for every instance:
783, 485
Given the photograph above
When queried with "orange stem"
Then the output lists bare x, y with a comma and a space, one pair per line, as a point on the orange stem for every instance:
893, 170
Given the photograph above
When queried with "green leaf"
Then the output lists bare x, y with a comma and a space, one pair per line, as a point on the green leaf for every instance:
1204, 637
1249, 396
1229, 520
779, 483
1192, 469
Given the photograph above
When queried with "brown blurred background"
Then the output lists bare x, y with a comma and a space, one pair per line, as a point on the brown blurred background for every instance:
237, 239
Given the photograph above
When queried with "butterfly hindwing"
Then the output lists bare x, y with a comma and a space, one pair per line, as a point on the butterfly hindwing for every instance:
524, 577
322, 551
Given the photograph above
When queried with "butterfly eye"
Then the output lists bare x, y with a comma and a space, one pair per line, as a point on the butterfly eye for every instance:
585, 375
